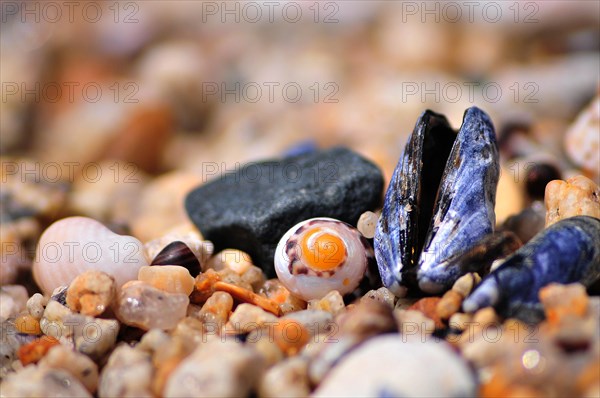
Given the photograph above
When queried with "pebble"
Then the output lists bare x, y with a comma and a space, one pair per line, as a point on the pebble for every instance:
52, 322
316, 321
160, 205
332, 302
367, 223
36, 381
434, 370
13, 299
128, 373
233, 259
91, 293
510, 199
169, 278
465, 284
577, 196
27, 324
537, 177
582, 141
253, 207
460, 320
146, 307
34, 351
261, 341
247, 317
528, 222
382, 295
274, 290
428, 306
216, 369
216, 310
36, 305
78, 365
289, 378
93, 337
413, 322
449, 304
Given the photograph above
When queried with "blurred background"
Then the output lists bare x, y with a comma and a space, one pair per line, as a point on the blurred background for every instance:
116, 109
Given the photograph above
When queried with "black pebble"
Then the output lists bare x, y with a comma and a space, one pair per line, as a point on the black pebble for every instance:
251, 208
537, 177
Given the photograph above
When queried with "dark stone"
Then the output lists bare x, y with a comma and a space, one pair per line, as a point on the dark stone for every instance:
178, 253
250, 209
537, 177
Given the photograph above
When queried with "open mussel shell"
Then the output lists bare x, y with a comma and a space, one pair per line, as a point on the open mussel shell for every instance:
440, 202
565, 252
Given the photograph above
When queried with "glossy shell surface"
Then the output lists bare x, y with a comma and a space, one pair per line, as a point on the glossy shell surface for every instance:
440, 202
319, 255
74, 245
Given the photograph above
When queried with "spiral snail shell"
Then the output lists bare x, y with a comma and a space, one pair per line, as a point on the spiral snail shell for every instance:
74, 245
319, 255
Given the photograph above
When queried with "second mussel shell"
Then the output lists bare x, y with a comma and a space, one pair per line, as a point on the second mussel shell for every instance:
440, 202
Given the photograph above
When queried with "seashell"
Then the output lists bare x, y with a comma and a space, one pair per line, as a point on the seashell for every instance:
440, 202
566, 252
73, 245
322, 254
178, 253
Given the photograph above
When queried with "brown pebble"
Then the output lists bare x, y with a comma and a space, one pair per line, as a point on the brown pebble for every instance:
449, 304
428, 306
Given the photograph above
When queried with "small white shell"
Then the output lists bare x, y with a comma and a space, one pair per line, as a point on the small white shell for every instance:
74, 245
343, 274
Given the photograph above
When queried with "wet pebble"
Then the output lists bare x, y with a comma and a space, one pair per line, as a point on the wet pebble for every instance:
142, 305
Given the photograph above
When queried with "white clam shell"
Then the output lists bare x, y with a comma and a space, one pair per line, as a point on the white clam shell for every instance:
346, 277
74, 245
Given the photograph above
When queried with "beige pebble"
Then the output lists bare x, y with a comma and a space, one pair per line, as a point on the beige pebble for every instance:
247, 317
510, 199
582, 140
234, 259
413, 322
13, 299
382, 295
37, 381
576, 197
274, 290
460, 320
91, 293
367, 223
36, 305
216, 369
128, 373
169, 278
79, 365
215, 312
466, 283
332, 303
288, 378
